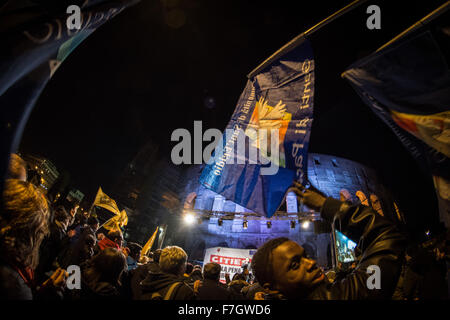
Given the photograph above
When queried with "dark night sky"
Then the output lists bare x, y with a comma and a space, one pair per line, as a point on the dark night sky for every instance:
137, 78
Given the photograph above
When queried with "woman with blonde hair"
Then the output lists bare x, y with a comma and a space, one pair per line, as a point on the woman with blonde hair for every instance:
24, 220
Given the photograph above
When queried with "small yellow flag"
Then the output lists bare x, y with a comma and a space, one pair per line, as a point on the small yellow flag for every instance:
102, 200
149, 243
117, 222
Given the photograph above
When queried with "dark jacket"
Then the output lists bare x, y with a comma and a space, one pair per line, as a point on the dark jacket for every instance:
49, 250
382, 244
250, 291
212, 290
195, 275
427, 275
161, 282
138, 275
75, 254
93, 289
14, 287
235, 287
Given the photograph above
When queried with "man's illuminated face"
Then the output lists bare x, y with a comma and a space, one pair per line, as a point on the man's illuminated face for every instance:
294, 274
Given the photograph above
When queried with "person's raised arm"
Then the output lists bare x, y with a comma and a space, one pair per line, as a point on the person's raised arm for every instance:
381, 243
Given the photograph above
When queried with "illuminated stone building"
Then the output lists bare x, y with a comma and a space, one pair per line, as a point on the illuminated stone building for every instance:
230, 225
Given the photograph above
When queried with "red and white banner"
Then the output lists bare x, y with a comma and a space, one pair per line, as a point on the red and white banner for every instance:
231, 260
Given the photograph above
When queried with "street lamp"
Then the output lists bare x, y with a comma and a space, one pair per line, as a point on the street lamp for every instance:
189, 218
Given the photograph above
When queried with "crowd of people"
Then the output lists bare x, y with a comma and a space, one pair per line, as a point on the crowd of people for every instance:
40, 240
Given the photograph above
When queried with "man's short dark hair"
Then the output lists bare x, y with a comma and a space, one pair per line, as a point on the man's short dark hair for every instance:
262, 260
211, 271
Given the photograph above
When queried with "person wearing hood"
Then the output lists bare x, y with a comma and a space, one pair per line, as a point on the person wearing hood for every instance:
101, 276
168, 283
236, 285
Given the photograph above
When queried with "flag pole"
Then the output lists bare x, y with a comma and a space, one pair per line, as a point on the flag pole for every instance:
93, 202
105, 223
163, 236
294, 42
421, 23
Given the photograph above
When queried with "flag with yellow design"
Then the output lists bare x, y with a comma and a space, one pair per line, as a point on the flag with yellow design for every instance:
407, 85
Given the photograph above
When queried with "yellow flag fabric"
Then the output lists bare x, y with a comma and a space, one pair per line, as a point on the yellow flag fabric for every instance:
117, 222
149, 243
102, 200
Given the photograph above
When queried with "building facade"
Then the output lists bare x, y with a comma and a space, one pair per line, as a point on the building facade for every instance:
46, 172
230, 225
148, 189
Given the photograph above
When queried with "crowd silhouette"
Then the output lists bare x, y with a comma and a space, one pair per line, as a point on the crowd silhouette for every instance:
40, 241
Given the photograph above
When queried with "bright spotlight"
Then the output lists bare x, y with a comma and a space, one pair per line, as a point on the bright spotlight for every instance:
189, 218
305, 224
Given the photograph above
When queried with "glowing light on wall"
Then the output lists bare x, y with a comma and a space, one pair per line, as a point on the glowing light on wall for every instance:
189, 218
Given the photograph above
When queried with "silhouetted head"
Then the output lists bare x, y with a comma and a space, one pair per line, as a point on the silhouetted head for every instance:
211, 271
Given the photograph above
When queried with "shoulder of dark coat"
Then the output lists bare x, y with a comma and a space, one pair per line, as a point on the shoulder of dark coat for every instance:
12, 286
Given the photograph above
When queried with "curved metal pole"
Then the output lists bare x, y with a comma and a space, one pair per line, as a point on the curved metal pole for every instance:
298, 39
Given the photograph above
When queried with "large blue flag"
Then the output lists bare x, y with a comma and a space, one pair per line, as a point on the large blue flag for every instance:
407, 85
264, 147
